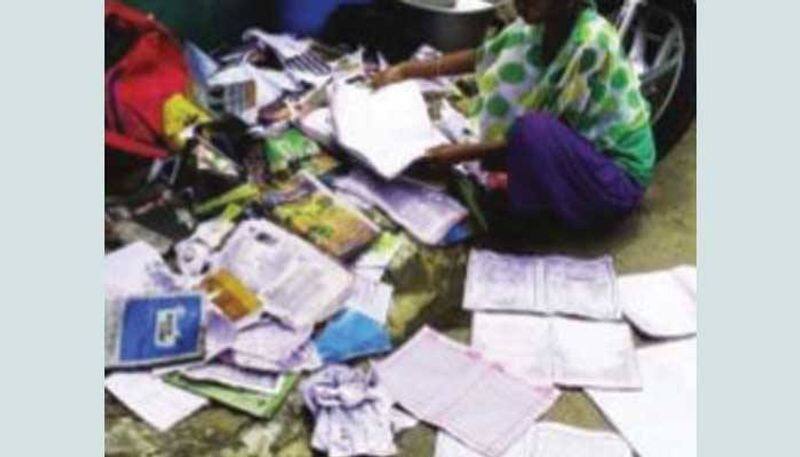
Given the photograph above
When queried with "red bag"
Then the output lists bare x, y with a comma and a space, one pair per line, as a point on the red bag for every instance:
151, 71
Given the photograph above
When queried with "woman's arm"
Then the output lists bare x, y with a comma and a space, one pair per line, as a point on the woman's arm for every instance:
449, 64
454, 153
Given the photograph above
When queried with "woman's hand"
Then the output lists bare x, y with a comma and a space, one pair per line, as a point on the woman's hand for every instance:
391, 75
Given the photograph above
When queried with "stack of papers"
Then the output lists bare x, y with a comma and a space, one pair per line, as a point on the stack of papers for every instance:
455, 388
256, 404
661, 420
560, 351
545, 285
427, 213
387, 129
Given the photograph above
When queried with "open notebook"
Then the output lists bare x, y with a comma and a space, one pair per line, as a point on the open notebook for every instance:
387, 129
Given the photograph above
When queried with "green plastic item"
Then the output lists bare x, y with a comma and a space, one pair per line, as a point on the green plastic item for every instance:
254, 403
240, 194
289, 147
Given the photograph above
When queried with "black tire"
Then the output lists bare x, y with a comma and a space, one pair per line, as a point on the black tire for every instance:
680, 113
682, 109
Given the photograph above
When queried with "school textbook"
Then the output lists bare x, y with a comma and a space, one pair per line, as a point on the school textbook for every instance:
387, 129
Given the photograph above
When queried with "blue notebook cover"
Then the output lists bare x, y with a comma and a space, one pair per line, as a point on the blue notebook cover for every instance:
160, 329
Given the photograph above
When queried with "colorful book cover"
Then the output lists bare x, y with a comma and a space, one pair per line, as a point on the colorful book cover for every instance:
230, 295
256, 404
314, 212
155, 329
288, 148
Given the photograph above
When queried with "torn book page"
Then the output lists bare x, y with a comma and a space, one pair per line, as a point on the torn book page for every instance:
542, 284
137, 269
295, 282
661, 420
454, 387
554, 350
661, 304
427, 213
156, 402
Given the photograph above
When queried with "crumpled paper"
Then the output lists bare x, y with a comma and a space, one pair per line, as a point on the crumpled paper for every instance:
354, 414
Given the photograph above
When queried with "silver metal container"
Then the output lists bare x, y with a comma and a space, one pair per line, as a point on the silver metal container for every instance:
461, 26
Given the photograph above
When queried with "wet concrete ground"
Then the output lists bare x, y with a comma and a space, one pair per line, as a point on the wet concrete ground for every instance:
662, 234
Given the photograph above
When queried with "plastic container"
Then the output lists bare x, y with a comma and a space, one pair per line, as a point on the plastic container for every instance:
308, 17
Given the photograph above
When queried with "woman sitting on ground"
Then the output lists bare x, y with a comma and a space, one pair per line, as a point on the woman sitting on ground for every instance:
559, 98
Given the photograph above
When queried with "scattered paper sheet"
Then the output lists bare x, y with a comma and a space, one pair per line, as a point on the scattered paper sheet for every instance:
661, 420
193, 255
295, 282
271, 346
136, 269
156, 402
370, 297
427, 213
547, 439
546, 285
455, 388
661, 304
554, 350
388, 128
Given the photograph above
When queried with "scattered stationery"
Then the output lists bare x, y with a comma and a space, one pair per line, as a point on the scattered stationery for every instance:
295, 282
387, 129
352, 412
557, 350
256, 404
452, 386
661, 420
427, 213
136, 268
226, 373
229, 295
371, 297
150, 330
351, 335
545, 285
268, 345
661, 303
157, 403
288, 148
325, 220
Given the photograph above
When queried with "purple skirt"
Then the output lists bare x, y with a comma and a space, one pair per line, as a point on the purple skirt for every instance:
553, 169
